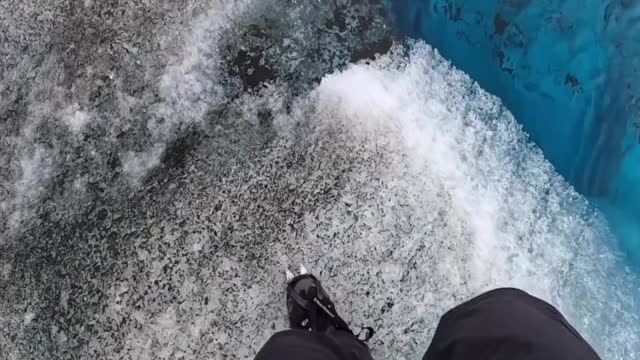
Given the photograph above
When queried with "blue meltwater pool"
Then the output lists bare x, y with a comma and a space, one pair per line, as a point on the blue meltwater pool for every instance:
567, 70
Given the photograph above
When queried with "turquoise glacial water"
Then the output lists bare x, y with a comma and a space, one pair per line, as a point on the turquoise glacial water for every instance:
567, 70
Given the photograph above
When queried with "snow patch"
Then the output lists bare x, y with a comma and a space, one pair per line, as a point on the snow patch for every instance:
137, 164
28, 317
75, 118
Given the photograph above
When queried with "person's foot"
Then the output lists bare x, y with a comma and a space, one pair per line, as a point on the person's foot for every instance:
309, 306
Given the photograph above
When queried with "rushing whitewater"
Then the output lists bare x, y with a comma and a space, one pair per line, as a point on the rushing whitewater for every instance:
403, 185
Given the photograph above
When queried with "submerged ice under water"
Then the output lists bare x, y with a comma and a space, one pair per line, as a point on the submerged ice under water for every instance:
154, 218
567, 70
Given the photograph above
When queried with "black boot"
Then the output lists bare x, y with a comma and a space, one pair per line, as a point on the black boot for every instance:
310, 307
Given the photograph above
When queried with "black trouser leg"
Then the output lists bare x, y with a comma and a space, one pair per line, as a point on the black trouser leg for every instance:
309, 345
507, 324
